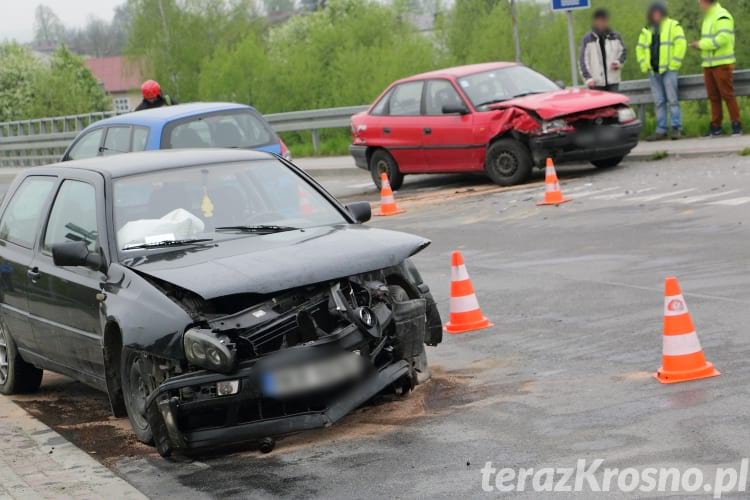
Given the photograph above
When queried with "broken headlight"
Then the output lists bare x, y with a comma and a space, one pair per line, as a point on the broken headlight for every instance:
204, 349
626, 114
558, 125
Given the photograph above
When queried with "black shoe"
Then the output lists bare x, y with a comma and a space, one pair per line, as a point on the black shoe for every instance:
736, 128
658, 136
676, 134
714, 132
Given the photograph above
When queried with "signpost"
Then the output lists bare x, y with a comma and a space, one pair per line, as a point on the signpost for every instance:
568, 6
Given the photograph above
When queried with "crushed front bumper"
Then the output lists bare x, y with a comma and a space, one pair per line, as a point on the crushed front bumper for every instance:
166, 412
594, 143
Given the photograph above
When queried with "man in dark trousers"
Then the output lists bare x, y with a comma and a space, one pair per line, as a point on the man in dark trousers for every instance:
152, 96
603, 54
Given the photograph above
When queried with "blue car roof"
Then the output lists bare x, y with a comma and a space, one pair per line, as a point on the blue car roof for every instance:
166, 114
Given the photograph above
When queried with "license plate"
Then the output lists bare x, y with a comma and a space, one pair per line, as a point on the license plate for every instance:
313, 376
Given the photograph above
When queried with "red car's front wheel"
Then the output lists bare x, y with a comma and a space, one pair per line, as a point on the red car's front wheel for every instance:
508, 162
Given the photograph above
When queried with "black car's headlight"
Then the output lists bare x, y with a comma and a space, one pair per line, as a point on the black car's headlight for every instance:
208, 351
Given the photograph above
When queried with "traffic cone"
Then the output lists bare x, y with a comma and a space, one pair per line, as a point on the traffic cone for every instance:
465, 315
552, 193
683, 358
305, 206
387, 201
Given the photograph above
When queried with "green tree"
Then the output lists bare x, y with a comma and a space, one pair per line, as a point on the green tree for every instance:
67, 87
18, 70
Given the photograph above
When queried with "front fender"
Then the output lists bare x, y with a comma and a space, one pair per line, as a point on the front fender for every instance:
149, 321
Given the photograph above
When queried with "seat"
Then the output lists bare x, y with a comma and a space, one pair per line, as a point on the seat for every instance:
187, 138
227, 135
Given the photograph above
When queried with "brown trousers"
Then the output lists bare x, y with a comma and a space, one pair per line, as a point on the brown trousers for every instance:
720, 85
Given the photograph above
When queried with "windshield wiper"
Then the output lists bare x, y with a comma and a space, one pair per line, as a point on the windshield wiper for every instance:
167, 243
261, 229
493, 101
524, 94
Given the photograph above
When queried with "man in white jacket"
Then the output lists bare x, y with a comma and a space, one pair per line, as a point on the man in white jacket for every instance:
603, 54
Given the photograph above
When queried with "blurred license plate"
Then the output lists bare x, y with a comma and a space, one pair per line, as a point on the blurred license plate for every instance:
313, 376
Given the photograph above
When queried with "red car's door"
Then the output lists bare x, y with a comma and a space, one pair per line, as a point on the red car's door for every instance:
449, 140
400, 129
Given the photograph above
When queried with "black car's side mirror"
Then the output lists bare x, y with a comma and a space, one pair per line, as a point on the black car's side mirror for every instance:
360, 210
455, 109
76, 253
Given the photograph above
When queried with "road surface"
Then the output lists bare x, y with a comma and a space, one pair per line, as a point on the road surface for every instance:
566, 373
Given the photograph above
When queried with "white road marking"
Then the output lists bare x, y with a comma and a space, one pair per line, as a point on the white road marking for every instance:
732, 202
703, 197
660, 196
610, 196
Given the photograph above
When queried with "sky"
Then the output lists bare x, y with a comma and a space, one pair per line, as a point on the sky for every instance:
17, 17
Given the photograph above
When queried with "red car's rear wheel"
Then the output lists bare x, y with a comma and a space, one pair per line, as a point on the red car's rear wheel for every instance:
382, 161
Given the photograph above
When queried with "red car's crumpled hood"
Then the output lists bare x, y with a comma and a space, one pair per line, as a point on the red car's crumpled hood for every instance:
553, 105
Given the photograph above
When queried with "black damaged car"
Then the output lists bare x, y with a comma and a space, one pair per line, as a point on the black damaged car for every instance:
217, 296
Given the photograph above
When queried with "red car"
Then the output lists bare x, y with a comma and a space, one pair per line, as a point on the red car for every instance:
499, 118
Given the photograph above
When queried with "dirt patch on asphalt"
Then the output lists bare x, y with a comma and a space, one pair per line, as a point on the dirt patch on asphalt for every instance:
82, 416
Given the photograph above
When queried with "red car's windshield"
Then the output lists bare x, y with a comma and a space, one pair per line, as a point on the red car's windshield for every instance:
502, 84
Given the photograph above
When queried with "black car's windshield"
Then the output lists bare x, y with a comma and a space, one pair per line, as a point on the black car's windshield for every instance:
235, 129
178, 207
503, 84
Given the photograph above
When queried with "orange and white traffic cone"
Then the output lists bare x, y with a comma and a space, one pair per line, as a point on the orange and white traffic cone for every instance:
552, 193
683, 358
388, 204
465, 314
305, 206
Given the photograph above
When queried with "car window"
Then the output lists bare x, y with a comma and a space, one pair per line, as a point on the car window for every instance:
382, 105
73, 216
140, 137
502, 84
440, 93
21, 219
237, 129
192, 202
87, 146
117, 141
406, 99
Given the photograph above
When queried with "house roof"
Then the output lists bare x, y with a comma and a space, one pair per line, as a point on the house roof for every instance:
115, 73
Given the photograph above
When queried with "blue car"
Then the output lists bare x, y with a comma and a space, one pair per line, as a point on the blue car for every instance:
194, 125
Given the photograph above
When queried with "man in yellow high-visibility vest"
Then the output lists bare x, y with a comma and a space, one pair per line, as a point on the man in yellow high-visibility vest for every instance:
717, 51
660, 51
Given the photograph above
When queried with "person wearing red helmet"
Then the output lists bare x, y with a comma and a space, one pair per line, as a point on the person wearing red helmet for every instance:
153, 97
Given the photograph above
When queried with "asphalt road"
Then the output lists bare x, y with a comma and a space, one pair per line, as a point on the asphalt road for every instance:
566, 373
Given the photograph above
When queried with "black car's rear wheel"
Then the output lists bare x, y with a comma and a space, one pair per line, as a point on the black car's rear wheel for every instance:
608, 162
508, 162
137, 384
16, 375
381, 161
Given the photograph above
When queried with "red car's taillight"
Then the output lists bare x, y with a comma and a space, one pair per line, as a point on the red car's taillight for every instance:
285, 151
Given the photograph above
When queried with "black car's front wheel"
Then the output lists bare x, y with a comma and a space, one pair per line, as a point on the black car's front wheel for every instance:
137, 384
381, 161
508, 162
608, 162
16, 375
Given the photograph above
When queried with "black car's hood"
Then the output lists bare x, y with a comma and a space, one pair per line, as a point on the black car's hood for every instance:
270, 263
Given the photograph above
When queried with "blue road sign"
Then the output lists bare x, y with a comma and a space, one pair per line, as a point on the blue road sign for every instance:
570, 4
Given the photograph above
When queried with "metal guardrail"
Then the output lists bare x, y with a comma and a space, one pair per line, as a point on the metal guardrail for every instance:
41, 141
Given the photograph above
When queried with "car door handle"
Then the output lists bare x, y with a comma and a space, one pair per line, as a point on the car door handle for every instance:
386, 131
33, 273
427, 131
